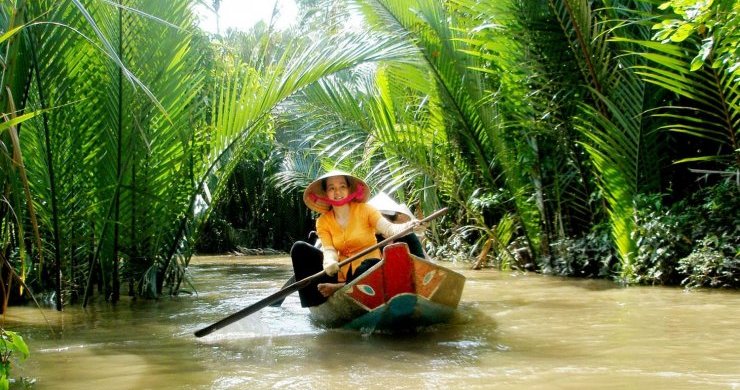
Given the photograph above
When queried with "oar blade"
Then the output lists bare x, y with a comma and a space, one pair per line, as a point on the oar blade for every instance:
280, 301
259, 305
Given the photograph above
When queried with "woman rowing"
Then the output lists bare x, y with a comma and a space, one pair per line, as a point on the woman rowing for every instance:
347, 225
398, 213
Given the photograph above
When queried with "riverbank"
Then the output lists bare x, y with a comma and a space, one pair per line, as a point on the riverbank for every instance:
277, 259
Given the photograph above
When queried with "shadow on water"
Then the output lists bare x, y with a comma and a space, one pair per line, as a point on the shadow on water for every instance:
294, 353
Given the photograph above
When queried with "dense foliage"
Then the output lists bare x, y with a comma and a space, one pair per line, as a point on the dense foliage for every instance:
693, 242
567, 136
120, 120
252, 213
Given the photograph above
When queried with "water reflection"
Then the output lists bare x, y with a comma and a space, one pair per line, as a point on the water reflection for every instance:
512, 331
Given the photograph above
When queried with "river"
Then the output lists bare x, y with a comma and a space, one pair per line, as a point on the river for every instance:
512, 331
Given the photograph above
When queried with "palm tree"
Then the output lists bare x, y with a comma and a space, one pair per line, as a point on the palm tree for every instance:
612, 122
493, 127
132, 142
694, 56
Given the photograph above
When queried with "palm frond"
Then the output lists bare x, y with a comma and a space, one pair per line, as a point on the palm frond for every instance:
713, 93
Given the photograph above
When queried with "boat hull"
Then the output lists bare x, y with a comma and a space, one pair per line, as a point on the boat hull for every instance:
401, 292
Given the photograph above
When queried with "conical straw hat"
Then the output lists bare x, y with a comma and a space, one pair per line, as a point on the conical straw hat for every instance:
386, 205
317, 188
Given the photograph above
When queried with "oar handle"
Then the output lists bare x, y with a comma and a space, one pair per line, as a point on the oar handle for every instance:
266, 301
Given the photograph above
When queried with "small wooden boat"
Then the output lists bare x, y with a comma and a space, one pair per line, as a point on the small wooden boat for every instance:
401, 292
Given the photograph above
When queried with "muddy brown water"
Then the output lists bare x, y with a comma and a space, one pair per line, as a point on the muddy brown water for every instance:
512, 331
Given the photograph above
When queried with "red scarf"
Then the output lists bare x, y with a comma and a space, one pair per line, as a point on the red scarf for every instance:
358, 194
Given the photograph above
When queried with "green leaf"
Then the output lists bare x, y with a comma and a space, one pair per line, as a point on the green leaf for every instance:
682, 32
10, 33
8, 124
696, 63
12, 343
19, 345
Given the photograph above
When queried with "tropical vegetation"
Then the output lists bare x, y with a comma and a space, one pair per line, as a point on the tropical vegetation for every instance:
593, 138
12, 347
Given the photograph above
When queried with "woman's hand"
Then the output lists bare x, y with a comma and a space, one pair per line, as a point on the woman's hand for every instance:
331, 263
331, 269
419, 227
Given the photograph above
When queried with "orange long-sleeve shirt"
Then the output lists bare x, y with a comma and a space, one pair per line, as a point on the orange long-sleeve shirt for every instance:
359, 234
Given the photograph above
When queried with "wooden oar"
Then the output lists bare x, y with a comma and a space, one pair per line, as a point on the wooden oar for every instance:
280, 301
264, 302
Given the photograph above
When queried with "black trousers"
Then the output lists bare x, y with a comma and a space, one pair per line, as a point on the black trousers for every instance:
308, 261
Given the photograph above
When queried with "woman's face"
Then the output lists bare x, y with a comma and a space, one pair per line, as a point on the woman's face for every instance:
337, 188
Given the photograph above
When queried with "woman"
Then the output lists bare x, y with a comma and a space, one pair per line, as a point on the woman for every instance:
347, 225
398, 213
